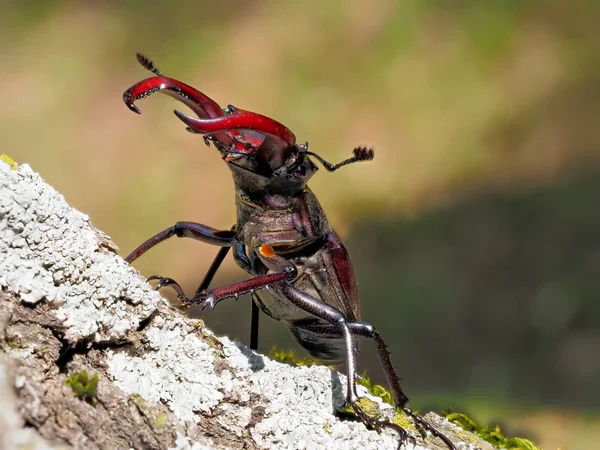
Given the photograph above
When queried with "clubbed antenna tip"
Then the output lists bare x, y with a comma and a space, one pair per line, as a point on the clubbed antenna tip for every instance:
360, 154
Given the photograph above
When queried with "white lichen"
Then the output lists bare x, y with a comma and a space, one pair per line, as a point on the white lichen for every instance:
49, 251
298, 402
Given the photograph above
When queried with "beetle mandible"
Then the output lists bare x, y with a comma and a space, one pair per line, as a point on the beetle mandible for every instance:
302, 273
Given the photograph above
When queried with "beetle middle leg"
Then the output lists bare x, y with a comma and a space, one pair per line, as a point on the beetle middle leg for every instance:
209, 298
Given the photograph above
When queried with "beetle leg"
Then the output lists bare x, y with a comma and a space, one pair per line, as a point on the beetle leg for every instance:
366, 330
283, 270
214, 296
242, 260
211, 297
212, 270
203, 233
166, 281
255, 318
340, 326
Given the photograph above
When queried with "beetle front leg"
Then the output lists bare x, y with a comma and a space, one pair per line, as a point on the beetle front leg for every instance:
203, 233
366, 330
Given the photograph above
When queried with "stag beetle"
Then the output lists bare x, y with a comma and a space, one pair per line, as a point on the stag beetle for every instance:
301, 270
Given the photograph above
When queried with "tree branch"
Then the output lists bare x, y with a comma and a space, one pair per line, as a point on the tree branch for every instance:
72, 311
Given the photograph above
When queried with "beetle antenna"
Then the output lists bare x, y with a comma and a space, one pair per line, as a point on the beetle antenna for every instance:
148, 64
360, 154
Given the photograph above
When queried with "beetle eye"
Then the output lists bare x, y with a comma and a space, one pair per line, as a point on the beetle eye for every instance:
300, 170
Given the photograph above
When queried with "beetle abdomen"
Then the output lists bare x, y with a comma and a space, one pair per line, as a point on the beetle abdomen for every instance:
329, 349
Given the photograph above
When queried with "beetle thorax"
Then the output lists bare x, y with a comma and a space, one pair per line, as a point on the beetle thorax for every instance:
286, 181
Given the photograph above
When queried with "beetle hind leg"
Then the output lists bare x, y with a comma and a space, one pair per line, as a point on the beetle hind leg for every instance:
366, 330
352, 398
336, 324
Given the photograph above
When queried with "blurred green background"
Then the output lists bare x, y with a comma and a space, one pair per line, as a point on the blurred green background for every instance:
475, 232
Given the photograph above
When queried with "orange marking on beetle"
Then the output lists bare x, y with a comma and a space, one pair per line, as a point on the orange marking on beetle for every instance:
266, 251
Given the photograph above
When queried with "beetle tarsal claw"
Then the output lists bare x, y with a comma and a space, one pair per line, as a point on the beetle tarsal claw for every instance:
380, 424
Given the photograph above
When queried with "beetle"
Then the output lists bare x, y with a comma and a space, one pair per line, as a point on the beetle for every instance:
302, 273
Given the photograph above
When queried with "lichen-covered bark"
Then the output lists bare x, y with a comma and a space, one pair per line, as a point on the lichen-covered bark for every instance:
71, 308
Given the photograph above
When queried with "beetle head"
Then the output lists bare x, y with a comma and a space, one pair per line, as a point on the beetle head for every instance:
261, 152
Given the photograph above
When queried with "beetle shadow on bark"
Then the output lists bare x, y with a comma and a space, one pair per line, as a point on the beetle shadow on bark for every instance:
256, 361
338, 399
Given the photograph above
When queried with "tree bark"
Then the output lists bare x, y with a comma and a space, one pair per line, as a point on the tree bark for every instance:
72, 310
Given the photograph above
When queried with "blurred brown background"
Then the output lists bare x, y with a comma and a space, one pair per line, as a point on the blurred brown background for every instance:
475, 231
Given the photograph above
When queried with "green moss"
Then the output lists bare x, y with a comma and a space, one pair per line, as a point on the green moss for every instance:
327, 426
402, 419
288, 357
8, 160
379, 391
84, 386
161, 418
493, 435
376, 389
139, 402
215, 344
369, 407
520, 443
